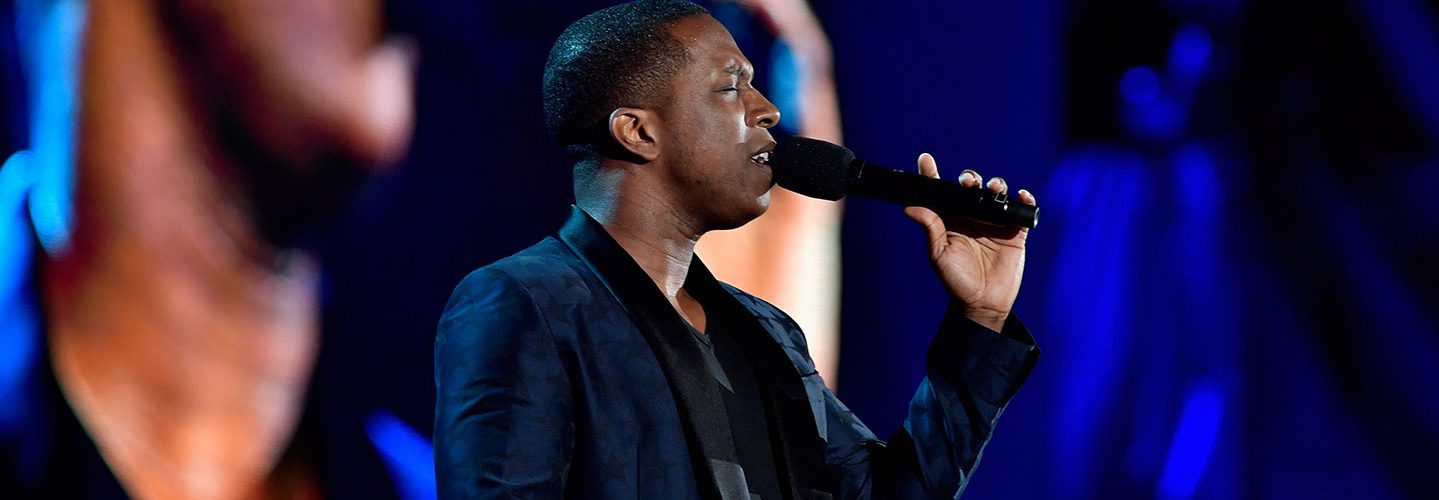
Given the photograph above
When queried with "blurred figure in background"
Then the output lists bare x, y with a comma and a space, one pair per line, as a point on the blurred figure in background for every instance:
181, 319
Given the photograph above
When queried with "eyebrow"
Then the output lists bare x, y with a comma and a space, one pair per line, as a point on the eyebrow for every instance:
737, 70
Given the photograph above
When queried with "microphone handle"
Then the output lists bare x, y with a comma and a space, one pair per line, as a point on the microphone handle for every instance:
948, 197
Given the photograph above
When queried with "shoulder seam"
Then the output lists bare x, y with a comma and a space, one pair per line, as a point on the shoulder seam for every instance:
530, 295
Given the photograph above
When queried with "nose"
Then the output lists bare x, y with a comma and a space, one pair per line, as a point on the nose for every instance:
762, 113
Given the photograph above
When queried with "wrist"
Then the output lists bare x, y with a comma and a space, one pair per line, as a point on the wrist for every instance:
988, 318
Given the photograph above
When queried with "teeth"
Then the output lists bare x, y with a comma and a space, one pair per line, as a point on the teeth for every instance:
761, 158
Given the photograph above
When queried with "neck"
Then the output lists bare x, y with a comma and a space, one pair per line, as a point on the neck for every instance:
647, 224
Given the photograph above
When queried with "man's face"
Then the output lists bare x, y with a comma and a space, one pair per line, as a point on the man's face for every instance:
716, 126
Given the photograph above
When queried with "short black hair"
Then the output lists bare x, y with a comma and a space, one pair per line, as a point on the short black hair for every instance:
617, 56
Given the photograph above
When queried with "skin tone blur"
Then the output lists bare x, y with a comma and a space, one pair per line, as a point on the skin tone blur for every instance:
182, 332
696, 175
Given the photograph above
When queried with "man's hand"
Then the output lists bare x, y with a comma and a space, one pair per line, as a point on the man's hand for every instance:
981, 265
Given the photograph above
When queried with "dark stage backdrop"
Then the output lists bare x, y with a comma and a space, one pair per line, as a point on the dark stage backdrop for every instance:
1233, 281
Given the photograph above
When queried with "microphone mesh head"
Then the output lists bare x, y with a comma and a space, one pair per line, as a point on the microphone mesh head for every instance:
811, 167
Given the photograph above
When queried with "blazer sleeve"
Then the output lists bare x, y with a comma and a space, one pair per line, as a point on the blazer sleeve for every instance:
971, 374
503, 425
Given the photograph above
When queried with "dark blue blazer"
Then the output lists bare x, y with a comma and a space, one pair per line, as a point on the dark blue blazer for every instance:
561, 373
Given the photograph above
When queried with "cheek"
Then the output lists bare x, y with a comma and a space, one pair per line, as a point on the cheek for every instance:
725, 126
739, 129
718, 137
726, 123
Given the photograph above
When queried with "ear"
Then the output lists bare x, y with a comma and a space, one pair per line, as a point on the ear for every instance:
633, 129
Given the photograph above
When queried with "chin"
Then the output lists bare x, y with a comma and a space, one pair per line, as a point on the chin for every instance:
744, 215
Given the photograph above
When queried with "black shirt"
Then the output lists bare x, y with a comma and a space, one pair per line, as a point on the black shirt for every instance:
744, 404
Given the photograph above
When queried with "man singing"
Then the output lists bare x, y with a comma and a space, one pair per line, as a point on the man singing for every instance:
607, 362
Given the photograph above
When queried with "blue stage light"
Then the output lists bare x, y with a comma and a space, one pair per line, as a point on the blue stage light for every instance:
1091, 298
19, 318
1139, 86
1190, 52
52, 31
1198, 181
1194, 437
409, 455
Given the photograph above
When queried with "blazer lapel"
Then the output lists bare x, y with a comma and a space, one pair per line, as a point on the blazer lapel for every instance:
798, 446
706, 425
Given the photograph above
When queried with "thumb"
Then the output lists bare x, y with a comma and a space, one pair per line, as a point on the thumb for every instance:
928, 220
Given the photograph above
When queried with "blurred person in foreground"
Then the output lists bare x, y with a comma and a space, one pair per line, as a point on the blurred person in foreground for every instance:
607, 362
181, 321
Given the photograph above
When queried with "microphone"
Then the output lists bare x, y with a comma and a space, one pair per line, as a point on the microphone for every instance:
818, 169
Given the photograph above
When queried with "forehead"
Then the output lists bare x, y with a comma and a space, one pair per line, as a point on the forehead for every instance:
709, 43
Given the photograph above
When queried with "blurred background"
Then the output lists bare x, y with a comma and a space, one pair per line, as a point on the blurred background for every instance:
1234, 282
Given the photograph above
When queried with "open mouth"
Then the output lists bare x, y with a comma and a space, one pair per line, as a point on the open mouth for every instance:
761, 158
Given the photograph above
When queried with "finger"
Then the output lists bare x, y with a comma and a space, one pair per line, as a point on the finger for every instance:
969, 178
1027, 198
997, 185
927, 166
